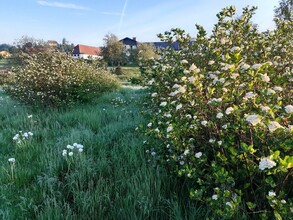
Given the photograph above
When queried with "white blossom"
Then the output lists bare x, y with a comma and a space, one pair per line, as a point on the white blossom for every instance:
178, 106
215, 197
170, 128
154, 94
266, 163
229, 110
265, 108
220, 115
278, 88
270, 91
249, 95
274, 125
265, 78
70, 154
204, 123
271, 193
163, 104
253, 119
150, 124
11, 160
183, 61
256, 66
245, 66
211, 62
289, 109
198, 154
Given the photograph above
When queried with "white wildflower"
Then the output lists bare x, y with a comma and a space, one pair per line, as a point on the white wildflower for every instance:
192, 67
70, 154
181, 162
211, 62
154, 94
64, 153
11, 160
271, 193
150, 124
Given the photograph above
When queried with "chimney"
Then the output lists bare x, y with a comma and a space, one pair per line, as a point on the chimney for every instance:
134, 38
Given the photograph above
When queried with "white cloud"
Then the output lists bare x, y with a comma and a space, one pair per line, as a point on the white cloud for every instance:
62, 5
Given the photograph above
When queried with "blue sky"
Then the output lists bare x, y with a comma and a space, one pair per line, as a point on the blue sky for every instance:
88, 21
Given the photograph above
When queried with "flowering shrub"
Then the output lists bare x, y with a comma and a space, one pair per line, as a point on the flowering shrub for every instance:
223, 114
55, 79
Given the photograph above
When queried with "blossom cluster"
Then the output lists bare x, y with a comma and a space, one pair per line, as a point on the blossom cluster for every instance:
21, 136
71, 150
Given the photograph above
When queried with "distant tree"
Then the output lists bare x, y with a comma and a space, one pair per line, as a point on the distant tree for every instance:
285, 10
65, 46
30, 45
7, 47
146, 51
112, 50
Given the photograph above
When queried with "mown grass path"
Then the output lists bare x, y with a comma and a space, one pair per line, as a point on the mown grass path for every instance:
110, 179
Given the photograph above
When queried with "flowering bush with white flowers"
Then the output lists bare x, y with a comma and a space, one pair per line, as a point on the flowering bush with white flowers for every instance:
55, 79
223, 115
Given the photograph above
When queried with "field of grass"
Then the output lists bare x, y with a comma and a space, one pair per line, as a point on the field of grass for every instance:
110, 179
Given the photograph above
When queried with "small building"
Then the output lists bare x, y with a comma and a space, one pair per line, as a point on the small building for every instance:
86, 52
5, 54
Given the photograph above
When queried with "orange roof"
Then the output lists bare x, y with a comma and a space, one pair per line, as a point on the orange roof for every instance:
83, 49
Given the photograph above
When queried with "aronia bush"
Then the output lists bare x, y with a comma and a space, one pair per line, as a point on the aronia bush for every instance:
223, 115
55, 79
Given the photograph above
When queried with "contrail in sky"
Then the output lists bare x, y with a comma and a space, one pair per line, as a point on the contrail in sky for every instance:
123, 14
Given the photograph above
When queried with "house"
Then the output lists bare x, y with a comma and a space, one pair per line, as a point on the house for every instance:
129, 44
5, 54
87, 52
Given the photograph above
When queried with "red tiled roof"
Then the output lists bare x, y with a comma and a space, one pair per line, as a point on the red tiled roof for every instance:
83, 49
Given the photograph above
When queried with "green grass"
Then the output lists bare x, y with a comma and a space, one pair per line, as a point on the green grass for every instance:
111, 179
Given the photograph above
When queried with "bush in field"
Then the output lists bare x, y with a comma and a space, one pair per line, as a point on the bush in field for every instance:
55, 79
223, 115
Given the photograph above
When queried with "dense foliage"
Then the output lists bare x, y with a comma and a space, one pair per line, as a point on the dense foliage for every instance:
55, 79
223, 114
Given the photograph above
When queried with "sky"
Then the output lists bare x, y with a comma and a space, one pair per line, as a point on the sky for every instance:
88, 21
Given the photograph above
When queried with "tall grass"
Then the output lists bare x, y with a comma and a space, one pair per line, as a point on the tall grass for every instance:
111, 179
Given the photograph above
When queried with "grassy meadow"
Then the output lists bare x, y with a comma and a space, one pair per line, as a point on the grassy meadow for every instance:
110, 179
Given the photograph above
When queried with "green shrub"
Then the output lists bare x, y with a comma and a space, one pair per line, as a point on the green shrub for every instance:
223, 114
55, 79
